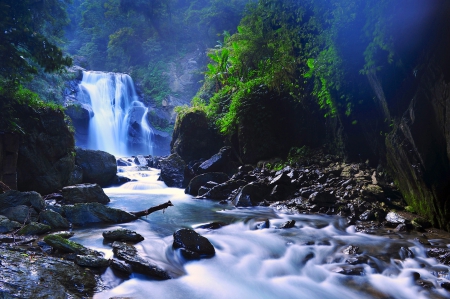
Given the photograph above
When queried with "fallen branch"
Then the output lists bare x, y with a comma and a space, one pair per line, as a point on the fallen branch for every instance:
152, 209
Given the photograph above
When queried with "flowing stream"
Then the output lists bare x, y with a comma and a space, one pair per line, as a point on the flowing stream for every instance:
119, 125
306, 261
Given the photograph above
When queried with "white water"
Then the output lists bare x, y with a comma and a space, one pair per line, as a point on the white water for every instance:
116, 106
259, 263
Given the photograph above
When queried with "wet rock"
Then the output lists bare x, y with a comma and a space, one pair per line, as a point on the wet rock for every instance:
251, 195
263, 225
121, 266
43, 277
224, 190
123, 162
85, 193
34, 228
13, 198
22, 214
124, 235
288, 224
373, 192
7, 226
64, 234
446, 285
129, 254
394, 218
322, 198
349, 270
280, 192
91, 261
441, 254
86, 213
192, 245
172, 171
119, 180
55, 220
203, 190
217, 163
367, 215
98, 167
202, 179
401, 228
282, 178
351, 250
64, 245
140, 160
213, 225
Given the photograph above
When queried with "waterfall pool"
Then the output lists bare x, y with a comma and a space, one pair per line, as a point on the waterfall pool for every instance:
307, 261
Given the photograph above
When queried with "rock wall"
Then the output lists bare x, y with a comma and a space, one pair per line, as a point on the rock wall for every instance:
46, 151
418, 148
9, 148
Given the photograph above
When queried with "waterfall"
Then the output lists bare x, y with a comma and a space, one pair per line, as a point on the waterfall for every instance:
119, 124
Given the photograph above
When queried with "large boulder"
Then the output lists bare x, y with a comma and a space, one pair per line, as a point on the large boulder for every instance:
21, 213
202, 179
192, 245
84, 193
194, 137
88, 213
98, 166
218, 162
46, 152
129, 254
124, 235
80, 114
34, 228
64, 245
252, 195
54, 219
7, 226
172, 171
43, 277
13, 198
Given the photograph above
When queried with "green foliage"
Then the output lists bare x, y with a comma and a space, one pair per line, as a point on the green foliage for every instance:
30, 31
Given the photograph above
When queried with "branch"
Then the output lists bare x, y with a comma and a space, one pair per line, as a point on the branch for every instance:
152, 209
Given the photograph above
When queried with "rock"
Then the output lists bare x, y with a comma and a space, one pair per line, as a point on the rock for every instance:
367, 215
212, 225
87, 213
123, 162
203, 190
34, 228
64, 245
288, 224
85, 193
129, 254
224, 190
55, 220
280, 192
202, 179
123, 235
140, 160
7, 226
194, 138
64, 234
374, 192
76, 177
323, 198
351, 250
43, 277
172, 171
217, 163
251, 195
98, 167
282, 179
395, 218
91, 261
121, 266
192, 245
13, 198
21, 214
45, 158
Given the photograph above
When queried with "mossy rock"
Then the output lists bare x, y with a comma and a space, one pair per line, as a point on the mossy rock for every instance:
34, 228
65, 245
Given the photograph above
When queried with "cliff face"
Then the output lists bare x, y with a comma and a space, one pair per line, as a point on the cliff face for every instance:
418, 148
46, 156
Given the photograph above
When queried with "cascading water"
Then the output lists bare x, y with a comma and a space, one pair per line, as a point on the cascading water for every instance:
254, 261
119, 123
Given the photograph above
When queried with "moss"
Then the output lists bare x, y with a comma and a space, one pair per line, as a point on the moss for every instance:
62, 244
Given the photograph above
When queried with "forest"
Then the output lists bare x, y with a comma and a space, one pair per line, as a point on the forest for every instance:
271, 109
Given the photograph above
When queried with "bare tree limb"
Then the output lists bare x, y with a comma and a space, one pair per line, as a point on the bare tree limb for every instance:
152, 209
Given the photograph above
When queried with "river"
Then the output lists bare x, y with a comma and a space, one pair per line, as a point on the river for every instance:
307, 261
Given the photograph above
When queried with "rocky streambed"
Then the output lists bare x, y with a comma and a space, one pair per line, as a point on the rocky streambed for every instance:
320, 209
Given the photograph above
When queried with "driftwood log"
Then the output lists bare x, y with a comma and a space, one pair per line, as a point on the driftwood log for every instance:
152, 209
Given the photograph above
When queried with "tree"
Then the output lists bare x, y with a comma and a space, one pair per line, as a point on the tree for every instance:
29, 33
